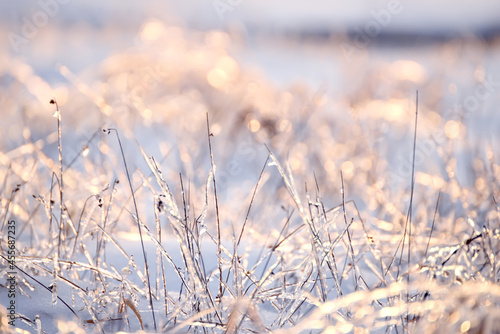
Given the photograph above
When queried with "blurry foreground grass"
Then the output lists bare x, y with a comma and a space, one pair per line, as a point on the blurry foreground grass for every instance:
310, 233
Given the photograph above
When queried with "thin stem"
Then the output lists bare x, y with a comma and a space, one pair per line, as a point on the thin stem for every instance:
138, 224
219, 260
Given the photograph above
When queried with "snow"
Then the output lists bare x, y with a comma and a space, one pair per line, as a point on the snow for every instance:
291, 76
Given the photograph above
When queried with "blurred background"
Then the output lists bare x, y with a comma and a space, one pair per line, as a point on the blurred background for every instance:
362, 62
310, 72
301, 78
79, 33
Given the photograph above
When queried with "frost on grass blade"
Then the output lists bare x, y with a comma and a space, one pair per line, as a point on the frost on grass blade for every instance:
201, 218
202, 229
38, 324
53, 285
168, 198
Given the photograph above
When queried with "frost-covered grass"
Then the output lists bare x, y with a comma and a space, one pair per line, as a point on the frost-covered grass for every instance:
260, 209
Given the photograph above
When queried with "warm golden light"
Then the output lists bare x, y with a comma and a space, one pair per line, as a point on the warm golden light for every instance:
152, 31
217, 78
392, 110
147, 113
107, 109
254, 125
85, 151
408, 70
330, 330
480, 184
238, 150
104, 148
347, 167
479, 75
452, 129
215, 129
465, 326
228, 65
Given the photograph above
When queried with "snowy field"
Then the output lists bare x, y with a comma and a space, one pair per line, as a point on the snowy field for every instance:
265, 161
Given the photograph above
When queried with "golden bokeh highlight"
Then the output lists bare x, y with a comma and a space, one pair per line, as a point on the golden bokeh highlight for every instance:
107, 109
453, 129
385, 225
330, 330
489, 154
104, 148
152, 30
366, 164
94, 189
225, 72
408, 70
85, 151
347, 167
479, 74
480, 184
253, 125
228, 65
433, 316
391, 110
217, 78
433, 181
215, 129
147, 114
465, 326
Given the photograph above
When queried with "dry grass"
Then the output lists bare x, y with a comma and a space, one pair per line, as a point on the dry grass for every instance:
317, 240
